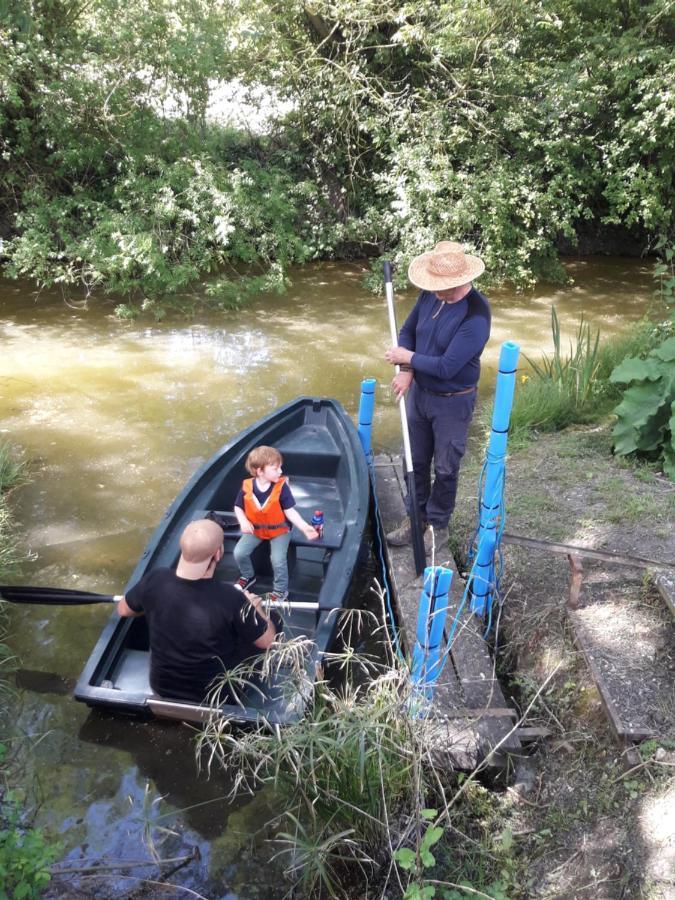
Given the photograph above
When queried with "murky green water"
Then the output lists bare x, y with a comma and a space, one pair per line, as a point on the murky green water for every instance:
114, 418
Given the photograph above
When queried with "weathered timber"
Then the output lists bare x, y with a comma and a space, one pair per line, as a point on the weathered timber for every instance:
624, 732
532, 734
621, 559
665, 583
469, 716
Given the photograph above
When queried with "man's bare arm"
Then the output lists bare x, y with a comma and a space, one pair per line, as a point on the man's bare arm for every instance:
123, 608
267, 638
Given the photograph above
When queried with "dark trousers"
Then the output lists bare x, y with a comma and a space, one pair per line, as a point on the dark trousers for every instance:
438, 428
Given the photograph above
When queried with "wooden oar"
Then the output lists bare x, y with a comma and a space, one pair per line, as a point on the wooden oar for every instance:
414, 512
66, 597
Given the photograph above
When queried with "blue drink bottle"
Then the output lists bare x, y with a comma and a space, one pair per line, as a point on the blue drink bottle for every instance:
317, 522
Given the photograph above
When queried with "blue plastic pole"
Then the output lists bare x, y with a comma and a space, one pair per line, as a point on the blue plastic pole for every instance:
366, 407
432, 613
491, 501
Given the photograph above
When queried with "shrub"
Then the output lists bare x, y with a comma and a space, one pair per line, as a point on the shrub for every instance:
25, 856
646, 415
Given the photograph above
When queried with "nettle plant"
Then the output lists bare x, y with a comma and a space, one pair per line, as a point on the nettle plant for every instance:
646, 414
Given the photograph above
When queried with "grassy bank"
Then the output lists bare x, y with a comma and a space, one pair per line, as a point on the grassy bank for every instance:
25, 856
572, 386
579, 824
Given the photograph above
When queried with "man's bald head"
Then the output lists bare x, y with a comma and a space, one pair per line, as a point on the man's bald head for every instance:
200, 549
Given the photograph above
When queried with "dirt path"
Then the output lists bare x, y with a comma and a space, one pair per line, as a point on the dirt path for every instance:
586, 828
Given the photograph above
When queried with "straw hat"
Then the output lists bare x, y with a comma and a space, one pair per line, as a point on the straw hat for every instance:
444, 267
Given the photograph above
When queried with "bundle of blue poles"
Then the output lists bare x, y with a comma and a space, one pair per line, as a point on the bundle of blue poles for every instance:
482, 585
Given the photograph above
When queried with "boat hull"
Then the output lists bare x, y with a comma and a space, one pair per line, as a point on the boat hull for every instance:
327, 469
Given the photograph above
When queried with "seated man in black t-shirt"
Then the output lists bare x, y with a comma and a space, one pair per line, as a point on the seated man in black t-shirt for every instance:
198, 627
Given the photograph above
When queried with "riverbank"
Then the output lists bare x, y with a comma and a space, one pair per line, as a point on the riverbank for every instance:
25, 855
578, 824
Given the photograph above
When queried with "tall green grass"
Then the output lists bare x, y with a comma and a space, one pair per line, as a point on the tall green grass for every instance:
350, 773
12, 473
362, 781
572, 385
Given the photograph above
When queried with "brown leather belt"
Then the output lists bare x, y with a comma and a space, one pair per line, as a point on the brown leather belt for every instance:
451, 394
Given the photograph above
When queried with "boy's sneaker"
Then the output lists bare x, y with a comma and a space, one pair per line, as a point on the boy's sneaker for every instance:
243, 583
277, 596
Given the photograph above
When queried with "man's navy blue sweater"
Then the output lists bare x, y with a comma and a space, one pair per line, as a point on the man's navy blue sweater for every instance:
447, 348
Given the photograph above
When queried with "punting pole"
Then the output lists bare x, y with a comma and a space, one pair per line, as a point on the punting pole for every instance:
366, 407
482, 578
414, 512
432, 613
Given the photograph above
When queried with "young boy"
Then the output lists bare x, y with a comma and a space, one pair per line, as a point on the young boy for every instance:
264, 507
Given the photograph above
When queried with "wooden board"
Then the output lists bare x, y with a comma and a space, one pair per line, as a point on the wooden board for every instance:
623, 731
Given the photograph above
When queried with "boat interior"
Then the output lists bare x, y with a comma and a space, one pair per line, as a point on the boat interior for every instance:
319, 477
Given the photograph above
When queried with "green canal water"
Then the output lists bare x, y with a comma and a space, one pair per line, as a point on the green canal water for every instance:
114, 417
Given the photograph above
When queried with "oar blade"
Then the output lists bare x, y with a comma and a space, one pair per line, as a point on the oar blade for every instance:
51, 596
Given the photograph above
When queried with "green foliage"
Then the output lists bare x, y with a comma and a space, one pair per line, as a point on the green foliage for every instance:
646, 415
12, 473
345, 772
357, 777
573, 375
510, 126
575, 387
25, 856
421, 858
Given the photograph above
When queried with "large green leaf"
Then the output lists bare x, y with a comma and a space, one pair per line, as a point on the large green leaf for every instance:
640, 422
666, 351
669, 448
635, 369
669, 461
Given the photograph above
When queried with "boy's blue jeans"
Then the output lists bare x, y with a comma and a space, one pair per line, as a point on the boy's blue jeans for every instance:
278, 552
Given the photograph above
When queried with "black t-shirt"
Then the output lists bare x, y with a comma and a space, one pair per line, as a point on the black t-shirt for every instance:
197, 629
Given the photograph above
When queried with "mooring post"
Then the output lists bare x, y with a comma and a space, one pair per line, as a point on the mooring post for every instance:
482, 575
433, 610
366, 407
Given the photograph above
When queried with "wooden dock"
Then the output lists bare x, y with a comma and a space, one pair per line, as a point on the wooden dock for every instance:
470, 722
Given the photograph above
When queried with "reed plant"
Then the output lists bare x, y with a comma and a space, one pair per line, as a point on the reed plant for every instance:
12, 473
357, 776
350, 771
574, 387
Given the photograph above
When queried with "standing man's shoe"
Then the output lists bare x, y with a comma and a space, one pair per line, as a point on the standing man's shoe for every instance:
437, 538
401, 535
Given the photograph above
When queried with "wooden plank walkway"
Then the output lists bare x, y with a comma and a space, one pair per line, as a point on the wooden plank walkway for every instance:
627, 645
470, 716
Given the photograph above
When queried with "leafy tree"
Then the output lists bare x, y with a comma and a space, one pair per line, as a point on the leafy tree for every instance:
514, 127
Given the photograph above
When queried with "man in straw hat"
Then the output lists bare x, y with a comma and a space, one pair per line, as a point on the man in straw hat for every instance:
198, 626
439, 351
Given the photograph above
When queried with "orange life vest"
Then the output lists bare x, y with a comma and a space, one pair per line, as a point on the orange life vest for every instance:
268, 520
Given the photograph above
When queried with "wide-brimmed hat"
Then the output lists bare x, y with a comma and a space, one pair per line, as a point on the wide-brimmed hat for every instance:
446, 266
199, 543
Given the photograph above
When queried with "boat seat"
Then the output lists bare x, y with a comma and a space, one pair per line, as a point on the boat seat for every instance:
333, 533
312, 461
